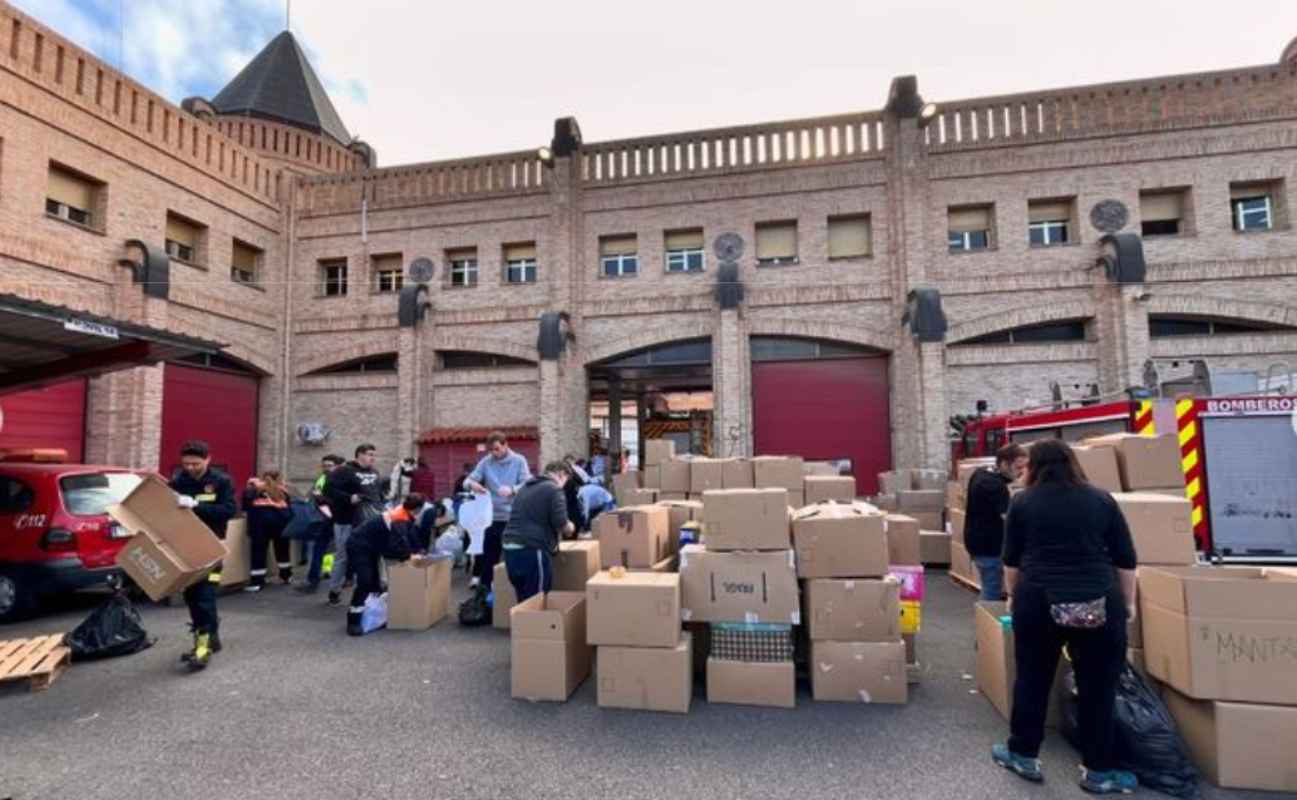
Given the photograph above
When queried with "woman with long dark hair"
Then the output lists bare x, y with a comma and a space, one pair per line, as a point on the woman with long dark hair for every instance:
1069, 570
265, 501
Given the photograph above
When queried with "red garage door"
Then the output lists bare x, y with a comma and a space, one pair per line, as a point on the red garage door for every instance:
216, 406
51, 417
826, 409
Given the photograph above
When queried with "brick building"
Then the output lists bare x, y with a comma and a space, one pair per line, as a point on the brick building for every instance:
293, 252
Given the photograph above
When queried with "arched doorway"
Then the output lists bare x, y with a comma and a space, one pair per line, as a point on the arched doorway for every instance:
825, 401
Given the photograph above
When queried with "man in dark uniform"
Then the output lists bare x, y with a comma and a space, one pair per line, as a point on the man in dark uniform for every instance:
210, 494
387, 535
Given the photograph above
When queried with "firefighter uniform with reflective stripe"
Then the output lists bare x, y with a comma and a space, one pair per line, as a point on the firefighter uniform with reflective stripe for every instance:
214, 494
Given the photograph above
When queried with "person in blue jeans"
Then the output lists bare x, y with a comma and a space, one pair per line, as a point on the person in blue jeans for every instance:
500, 474
537, 520
985, 508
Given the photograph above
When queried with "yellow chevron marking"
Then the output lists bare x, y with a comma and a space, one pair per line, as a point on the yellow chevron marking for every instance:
1183, 407
1197, 515
1187, 433
1194, 488
1188, 462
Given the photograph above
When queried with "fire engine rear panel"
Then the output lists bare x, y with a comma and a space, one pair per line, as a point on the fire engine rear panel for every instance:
1252, 485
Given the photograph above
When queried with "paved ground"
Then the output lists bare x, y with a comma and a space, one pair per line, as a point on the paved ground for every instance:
295, 709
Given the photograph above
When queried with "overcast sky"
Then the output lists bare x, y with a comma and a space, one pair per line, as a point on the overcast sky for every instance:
423, 80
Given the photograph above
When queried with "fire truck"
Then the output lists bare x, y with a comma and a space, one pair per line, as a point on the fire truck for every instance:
1238, 455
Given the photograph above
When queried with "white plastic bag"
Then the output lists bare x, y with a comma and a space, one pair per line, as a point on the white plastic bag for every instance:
475, 517
375, 614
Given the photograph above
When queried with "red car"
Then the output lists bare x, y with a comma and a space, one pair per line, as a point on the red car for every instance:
54, 534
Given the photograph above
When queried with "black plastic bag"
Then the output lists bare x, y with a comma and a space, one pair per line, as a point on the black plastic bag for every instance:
1146, 741
475, 611
111, 630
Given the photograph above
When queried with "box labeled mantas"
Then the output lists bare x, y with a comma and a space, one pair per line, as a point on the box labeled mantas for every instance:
634, 609
1160, 526
771, 683
738, 586
819, 489
746, 519
550, 657
418, 593
859, 672
854, 610
634, 536
1238, 745
574, 564
782, 472
840, 541
647, 678
170, 548
902, 539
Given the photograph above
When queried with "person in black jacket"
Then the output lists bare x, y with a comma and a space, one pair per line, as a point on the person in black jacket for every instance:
354, 493
537, 521
387, 535
265, 502
988, 502
210, 494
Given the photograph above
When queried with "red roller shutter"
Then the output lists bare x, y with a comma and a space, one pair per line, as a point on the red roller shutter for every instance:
216, 406
53, 417
826, 409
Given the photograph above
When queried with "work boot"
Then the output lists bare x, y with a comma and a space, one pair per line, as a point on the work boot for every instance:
1025, 768
197, 658
1113, 781
353, 624
326, 565
215, 641
255, 584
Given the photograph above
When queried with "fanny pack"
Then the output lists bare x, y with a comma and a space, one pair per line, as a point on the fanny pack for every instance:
1086, 615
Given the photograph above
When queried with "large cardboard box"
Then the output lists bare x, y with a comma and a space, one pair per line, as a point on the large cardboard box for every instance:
919, 500
673, 476
839, 541
1161, 527
954, 496
658, 451
647, 678
752, 683
856, 610
1135, 632
746, 519
549, 657
652, 476
961, 564
894, 482
996, 667
820, 489
737, 473
418, 593
635, 609
1100, 466
505, 597
634, 536
796, 499
928, 480
902, 539
236, 567
859, 672
624, 482
929, 520
1237, 745
170, 548
1145, 462
885, 502
934, 547
574, 564
706, 474
678, 513
967, 467
637, 497
1221, 633
781, 472
955, 524
738, 587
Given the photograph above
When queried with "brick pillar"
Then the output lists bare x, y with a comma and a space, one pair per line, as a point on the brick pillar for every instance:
934, 441
410, 385
551, 411
1121, 328
125, 413
731, 387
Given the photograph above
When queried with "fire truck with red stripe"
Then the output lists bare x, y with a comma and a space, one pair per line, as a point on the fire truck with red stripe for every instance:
1238, 455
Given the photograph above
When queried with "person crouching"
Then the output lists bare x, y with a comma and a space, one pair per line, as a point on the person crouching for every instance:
387, 535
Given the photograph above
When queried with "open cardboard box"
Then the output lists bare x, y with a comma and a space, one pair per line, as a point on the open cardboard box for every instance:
170, 549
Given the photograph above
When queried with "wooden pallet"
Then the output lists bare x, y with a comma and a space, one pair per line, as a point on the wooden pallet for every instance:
967, 583
38, 661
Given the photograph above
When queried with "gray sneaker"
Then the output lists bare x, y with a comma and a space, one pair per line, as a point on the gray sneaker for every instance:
1025, 768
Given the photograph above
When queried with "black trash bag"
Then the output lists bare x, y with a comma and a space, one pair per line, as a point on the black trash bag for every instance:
475, 611
1146, 741
111, 630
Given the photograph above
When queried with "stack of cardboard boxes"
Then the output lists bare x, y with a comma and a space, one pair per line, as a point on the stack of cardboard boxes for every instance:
645, 661
573, 565
961, 563
853, 605
918, 493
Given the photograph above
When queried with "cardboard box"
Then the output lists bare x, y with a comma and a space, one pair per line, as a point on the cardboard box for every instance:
738, 587
996, 667
170, 548
821, 489
1145, 462
647, 678
667, 564
894, 481
236, 567
929, 520
651, 476
856, 610
1236, 745
955, 524
737, 473
634, 536
705, 475
780, 472
678, 513
928, 480
418, 593
1135, 631
1221, 633
966, 468
505, 597
637, 497
934, 547
574, 564
1161, 527
919, 500
839, 541
549, 654
796, 499
746, 519
954, 496
658, 451
1100, 466
886, 502
902, 539
673, 476
752, 684
859, 672
701, 635
637, 609
911, 648
961, 564
672, 496
1135, 657
624, 482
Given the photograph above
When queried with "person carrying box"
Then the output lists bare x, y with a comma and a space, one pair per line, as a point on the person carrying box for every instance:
209, 493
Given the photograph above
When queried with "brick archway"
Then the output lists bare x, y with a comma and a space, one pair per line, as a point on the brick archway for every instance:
496, 346
835, 332
650, 334
1220, 307
342, 356
1018, 318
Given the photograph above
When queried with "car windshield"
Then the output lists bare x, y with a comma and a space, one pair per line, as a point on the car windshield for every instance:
91, 494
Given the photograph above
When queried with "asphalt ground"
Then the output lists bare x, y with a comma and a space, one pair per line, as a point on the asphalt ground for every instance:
294, 708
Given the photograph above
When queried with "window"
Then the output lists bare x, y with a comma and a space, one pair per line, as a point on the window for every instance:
333, 277
91, 494
387, 272
1162, 212
776, 243
1254, 206
1163, 325
849, 236
245, 263
71, 196
1047, 333
969, 228
463, 359
15, 496
520, 263
463, 267
619, 256
182, 238
383, 362
684, 250
1048, 222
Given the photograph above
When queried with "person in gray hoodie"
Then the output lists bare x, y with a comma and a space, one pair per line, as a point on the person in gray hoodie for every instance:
537, 522
500, 474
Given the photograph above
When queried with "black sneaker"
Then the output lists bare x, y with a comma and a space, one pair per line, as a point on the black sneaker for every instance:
335, 599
